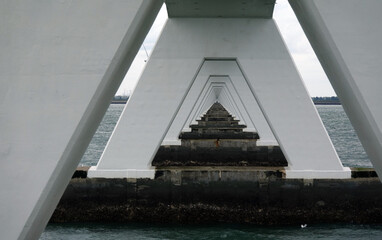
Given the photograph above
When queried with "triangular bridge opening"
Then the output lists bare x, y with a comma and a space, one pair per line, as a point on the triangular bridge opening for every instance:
219, 140
218, 123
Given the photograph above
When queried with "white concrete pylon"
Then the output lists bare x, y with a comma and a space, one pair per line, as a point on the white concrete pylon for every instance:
217, 93
219, 89
346, 36
264, 62
61, 62
230, 97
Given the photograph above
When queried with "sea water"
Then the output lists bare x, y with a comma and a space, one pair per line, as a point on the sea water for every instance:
224, 231
344, 140
334, 118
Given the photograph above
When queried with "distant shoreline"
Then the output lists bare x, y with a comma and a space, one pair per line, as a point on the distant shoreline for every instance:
316, 100
326, 100
326, 103
118, 101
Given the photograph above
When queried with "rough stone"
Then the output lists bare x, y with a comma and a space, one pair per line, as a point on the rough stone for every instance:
222, 194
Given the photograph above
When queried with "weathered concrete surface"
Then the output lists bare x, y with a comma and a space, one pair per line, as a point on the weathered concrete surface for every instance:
219, 155
66, 59
345, 35
180, 60
222, 194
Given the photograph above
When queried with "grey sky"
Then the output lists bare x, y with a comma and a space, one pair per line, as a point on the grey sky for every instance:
307, 64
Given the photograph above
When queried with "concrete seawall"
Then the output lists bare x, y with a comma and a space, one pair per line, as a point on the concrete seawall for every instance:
222, 194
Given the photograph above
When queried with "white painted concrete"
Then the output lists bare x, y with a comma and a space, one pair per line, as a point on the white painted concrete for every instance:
60, 64
208, 88
228, 73
269, 71
220, 8
218, 91
319, 174
346, 36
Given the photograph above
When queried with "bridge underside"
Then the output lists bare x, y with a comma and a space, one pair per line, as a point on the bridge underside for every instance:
345, 36
173, 92
61, 63
220, 8
68, 58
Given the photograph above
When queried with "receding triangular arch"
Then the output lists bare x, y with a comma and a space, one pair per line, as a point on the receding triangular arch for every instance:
258, 56
220, 80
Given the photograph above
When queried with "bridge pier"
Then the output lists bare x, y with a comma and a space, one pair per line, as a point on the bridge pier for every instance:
68, 58
189, 53
345, 36
61, 63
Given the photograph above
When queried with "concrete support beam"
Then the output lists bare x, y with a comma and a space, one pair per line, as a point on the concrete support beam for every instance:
220, 8
262, 60
346, 36
235, 95
61, 62
222, 81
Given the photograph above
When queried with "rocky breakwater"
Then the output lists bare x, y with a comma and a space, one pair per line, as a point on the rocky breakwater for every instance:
222, 194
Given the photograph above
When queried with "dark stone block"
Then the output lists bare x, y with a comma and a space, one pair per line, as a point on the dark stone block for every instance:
363, 173
215, 156
81, 172
153, 191
211, 196
218, 135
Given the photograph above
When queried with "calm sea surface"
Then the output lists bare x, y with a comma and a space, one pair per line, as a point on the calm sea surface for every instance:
335, 120
150, 232
348, 148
